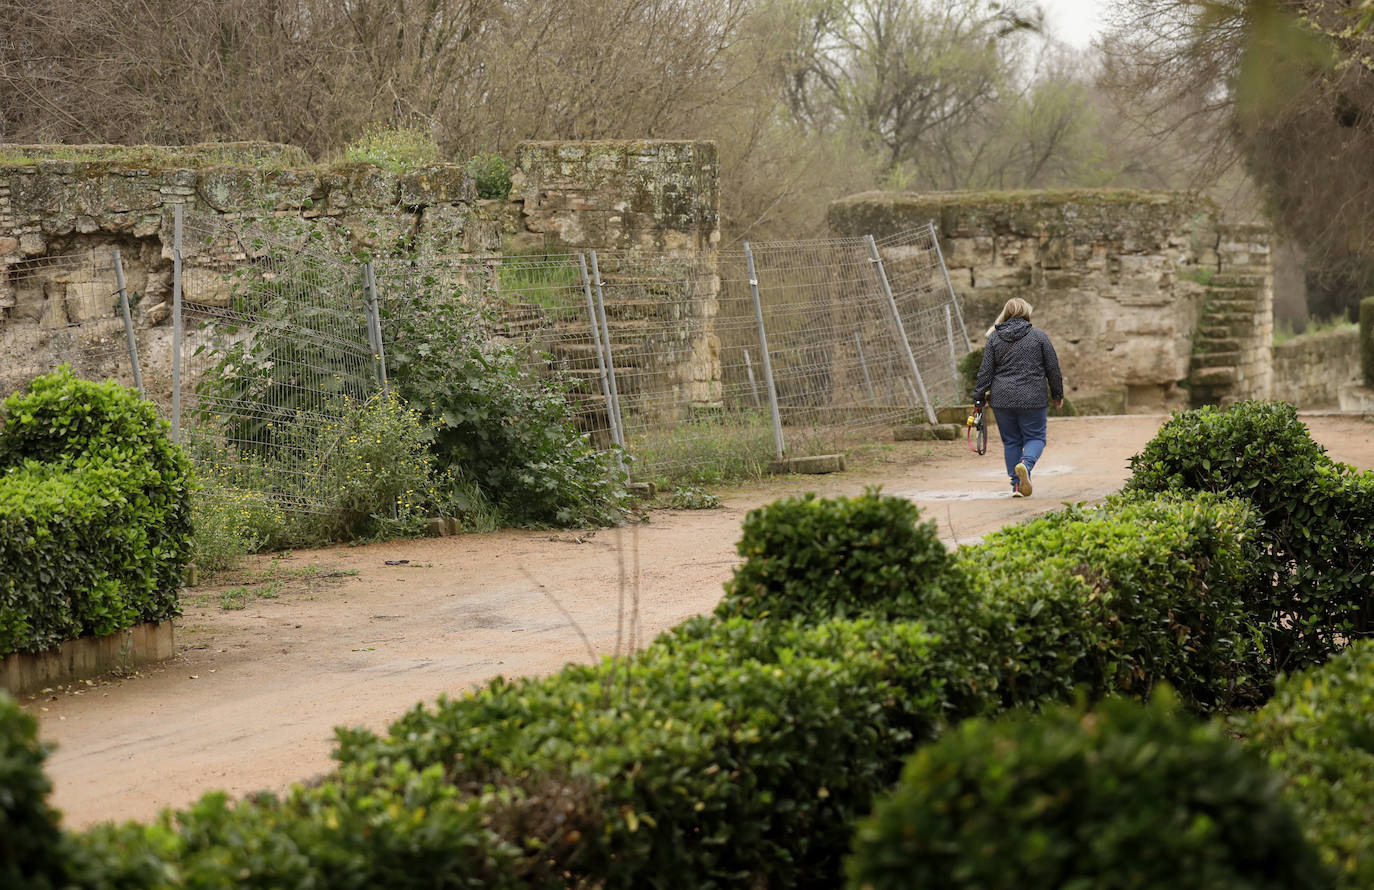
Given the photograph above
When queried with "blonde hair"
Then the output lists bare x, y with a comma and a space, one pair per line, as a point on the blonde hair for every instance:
1014, 308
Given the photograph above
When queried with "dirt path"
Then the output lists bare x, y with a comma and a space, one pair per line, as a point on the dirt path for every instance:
346, 639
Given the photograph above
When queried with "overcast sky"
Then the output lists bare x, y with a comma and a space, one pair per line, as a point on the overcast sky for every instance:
1076, 22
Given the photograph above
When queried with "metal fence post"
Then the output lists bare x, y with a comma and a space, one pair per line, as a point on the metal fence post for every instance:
177, 329
763, 346
949, 285
596, 341
753, 384
877, 261
617, 423
863, 363
374, 326
953, 356
128, 321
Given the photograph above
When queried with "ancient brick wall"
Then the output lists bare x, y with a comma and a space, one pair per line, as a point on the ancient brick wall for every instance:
1118, 278
65, 209
1309, 371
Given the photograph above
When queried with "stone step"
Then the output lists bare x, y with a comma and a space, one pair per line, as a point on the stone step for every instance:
1235, 293
1212, 345
1235, 307
1215, 359
1217, 329
1238, 279
1224, 376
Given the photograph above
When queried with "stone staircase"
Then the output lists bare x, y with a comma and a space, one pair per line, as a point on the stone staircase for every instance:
1231, 331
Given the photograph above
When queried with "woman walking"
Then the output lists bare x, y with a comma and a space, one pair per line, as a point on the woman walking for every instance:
1018, 363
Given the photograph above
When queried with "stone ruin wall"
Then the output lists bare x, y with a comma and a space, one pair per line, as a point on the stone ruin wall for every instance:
1132, 286
60, 221
1311, 370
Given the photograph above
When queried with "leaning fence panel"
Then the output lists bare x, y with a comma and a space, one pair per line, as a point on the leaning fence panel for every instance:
275, 355
81, 323
930, 312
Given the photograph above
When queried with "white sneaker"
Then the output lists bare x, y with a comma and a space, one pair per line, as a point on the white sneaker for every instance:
1023, 487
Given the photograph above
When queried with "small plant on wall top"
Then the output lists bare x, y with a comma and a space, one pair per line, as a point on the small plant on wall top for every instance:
491, 174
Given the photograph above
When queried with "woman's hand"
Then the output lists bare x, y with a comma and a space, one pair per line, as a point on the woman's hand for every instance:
1058, 403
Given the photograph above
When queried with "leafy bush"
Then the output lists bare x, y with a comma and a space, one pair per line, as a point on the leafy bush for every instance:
31, 850
490, 174
509, 431
1317, 516
94, 513
1118, 598
394, 148
1122, 796
825, 557
732, 753
1318, 732
416, 832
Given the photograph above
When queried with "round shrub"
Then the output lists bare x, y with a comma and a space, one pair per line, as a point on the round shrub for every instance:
1122, 796
94, 513
1318, 733
1317, 543
30, 842
828, 557
1117, 598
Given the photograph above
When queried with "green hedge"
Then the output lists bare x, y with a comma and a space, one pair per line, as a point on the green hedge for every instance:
726, 754
31, 846
1318, 519
832, 557
1318, 732
94, 513
1118, 598
416, 832
1121, 796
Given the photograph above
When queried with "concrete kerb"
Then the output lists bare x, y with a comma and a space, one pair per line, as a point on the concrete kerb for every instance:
82, 659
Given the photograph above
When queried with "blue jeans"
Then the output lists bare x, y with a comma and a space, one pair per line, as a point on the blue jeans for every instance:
1023, 436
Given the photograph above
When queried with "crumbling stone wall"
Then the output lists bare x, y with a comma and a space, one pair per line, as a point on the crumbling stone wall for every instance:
1309, 371
62, 217
1117, 278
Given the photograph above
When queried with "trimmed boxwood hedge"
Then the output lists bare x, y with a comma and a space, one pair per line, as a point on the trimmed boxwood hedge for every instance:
1318, 732
1117, 598
727, 754
1121, 796
832, 557
1317, 515
94, 513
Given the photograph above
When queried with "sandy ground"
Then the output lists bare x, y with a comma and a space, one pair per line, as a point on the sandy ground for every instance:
345, 638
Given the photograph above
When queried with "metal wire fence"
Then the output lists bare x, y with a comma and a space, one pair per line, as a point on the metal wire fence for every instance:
84, 323
700, 367
274, 340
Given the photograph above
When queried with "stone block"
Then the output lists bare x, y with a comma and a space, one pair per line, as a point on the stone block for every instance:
816, 464
925, 432
88, 657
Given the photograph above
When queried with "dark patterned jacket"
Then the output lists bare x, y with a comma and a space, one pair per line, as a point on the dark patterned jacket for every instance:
1017, 361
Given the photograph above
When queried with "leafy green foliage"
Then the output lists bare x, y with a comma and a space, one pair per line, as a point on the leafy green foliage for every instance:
1118, 598
394, 148
1318, 732
1318, 520
414, 832
727, 753
490, 174
1121, 796
844, 556
30, 843
94, 513
504, 428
